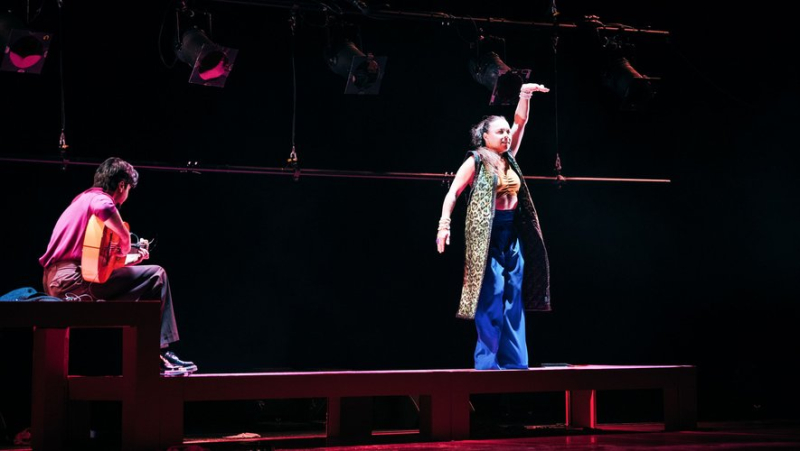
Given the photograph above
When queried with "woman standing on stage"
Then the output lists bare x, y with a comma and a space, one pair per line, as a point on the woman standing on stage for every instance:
506, 268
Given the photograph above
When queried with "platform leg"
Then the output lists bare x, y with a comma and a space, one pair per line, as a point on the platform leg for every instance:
581, 409
49, 403
680, 404
141, 388
435, 417
349, 420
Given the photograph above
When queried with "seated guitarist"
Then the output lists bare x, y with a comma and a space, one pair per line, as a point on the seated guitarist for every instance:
113, 181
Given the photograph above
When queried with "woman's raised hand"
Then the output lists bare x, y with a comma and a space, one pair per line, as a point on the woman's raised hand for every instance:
529, 88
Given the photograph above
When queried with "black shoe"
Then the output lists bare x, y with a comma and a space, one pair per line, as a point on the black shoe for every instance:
170, 370
173, 360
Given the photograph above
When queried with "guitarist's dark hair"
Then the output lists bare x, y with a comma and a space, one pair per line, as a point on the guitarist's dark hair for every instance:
112, 171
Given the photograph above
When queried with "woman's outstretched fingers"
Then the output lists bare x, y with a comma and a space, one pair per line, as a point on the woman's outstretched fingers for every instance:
534, 87
442, 239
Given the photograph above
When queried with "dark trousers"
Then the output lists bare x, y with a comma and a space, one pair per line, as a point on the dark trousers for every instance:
130, 283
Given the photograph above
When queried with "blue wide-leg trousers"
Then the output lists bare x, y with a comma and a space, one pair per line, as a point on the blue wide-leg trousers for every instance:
500, 316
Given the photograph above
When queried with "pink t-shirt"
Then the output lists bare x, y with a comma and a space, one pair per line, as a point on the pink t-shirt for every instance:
66, 243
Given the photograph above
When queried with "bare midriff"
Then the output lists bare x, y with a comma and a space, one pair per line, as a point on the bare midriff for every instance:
505, 202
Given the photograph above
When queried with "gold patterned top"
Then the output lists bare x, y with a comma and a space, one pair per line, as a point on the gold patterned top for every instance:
508, 183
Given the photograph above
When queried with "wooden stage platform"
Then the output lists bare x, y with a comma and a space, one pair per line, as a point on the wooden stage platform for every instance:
153, 406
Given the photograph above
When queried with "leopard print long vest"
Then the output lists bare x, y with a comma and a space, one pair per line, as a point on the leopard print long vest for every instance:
478, 231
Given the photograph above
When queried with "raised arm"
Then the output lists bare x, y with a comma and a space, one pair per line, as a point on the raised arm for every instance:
521, 114
463, 178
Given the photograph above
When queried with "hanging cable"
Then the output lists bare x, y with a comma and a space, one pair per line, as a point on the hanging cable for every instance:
182, 8
62, 139
555, 99
28, 18
292, 161
554, 41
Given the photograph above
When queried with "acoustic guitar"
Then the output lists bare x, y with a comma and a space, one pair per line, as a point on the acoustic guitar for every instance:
101, 251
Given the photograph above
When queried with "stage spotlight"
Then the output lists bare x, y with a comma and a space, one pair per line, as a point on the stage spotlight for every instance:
23, 50
611, 56
634, 89
211, 63
504, 82
364, 73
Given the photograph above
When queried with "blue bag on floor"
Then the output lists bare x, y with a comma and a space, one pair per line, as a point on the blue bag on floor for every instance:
28, 294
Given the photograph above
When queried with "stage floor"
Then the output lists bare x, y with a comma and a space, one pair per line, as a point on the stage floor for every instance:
755, 435
732, 435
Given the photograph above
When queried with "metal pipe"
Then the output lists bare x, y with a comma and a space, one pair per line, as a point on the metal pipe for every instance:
257, 170
433, 16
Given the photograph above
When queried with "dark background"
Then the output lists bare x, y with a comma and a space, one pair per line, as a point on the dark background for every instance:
333, 273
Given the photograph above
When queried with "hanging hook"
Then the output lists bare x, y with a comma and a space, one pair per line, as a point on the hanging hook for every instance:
293, 18
560, 179
292, 163
62, 147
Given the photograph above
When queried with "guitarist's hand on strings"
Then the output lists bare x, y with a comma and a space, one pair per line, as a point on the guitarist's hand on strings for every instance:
142, 250
144, 254
134, 258
118, 227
